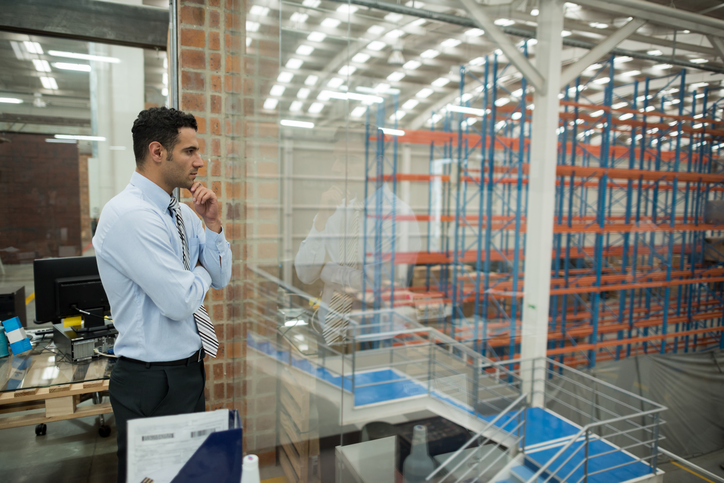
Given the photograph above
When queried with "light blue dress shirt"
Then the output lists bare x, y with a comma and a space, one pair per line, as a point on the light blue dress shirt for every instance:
140, 261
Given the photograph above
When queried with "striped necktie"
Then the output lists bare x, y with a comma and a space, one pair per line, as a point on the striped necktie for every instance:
209, 341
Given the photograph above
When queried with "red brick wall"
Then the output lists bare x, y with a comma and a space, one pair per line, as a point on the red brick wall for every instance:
40, 189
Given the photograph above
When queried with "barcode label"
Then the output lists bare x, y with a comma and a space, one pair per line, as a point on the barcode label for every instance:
154, 437
203, 432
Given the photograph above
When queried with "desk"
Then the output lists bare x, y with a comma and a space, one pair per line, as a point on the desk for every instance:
41, 378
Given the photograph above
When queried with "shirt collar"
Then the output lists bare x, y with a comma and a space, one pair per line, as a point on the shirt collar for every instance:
151, 191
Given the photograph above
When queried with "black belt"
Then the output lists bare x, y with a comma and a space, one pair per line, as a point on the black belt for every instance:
197, 356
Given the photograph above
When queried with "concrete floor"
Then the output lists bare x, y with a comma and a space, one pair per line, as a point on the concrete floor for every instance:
711, 462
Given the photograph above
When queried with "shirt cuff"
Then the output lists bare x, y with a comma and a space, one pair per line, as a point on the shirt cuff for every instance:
217, 239
201, 273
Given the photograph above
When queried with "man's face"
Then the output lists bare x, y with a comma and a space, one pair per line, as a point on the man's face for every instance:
183, 163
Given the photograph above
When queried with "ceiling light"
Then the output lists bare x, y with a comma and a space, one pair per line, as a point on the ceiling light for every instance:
299, 17
347, 70
504, 22
347, 9
252, 26
594, 67
571, 6
394, 132
698, 85
395, 34
19, 51
502, 101
164, 92
623, 58
442, 81
285, 77
73, 55
303, 93
532, 41
325, 95
565, 33
311, 3
367, 99
292, 123
699, 61
620, 105
311, 80
79, 137
296, 106
69, 66
10, 100
449, 43
305, 49
316, 37
410, 104
49, 82
382, 87
358, 111
294, 63
316, 108
393, 17
395, 76
650, 108
397, 116
330, 23
41, 65
248, 42
466, 110
598, 25
33, 47
602, 80
419, 22
259, 10
598, 113
424, 93
663, 66
335, 82
632, 72
429, 54
474, 32
411, 65
361, 58
277, 90
516, 115
655, 52
376, 29
376, 45
534, 12
271, 103
396, 57
477, 61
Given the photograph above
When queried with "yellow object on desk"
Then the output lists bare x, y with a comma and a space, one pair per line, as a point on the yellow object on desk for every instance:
75, 321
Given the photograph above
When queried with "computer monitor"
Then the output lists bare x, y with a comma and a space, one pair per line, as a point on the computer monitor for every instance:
66, 287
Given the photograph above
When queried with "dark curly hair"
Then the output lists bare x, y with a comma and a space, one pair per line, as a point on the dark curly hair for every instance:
160, 124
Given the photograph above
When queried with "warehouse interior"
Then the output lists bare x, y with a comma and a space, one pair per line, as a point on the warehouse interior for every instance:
521, 202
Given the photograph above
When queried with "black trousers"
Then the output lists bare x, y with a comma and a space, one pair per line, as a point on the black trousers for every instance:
141, 391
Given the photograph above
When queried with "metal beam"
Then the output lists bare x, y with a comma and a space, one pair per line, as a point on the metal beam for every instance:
88, 20
600, 50
506, 45
718, 44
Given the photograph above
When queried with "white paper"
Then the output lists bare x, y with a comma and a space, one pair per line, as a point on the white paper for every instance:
159, 447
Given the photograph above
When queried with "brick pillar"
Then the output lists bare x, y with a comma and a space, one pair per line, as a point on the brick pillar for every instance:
221, 81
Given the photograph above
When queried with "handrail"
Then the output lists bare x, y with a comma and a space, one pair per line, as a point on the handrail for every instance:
480, 433
691, 465
584, 430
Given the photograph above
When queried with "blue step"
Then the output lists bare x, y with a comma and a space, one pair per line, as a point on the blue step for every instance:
523, 474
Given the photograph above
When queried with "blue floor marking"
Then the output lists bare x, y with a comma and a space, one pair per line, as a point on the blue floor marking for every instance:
387, 391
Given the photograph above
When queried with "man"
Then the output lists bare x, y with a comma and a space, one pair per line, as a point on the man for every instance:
153, 294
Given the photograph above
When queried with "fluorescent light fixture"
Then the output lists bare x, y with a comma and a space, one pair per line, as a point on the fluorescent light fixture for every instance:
61, 141
663, 66
296, 106
271, 103
414, 3
311, 3
164, 92
294, 63
277, 90
392, 132
424, 93
623, 58
398, 115
10, 100
259, 10
516, 115
594, 66
698, 126
49, 83
292, 323
571, 6
347, 70
450, 43
396, 76
650, 108
299, 17
285, 77
95, 58
361, 58
252, 26
410, 104
698, 85
393, 17
502, 101
316, 108
311, 80
620, 105
395, 33
632, 72
699, 61
79, 137
305, 49
532, 41
248, 43
305, 125
429, 54
517, 93
358, 111
466, 110
383, 87
598, 25
440, 82
335, 82
316, 37
164, 79
535, 12
602, 80
347, 9
303, 93
474, 32
565, 33
41, 65
411, 65
330, 23
376, 45
33, 47
477, 61
504, 22
598, 113
376, 29
367, 99
467, 96
19, 52
655, 52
